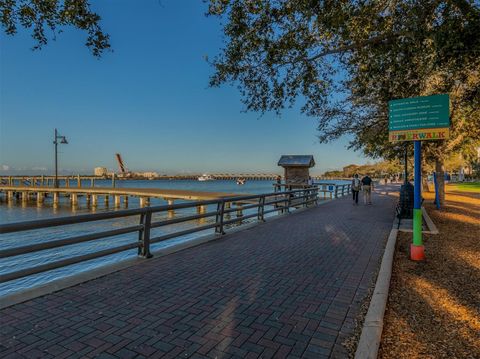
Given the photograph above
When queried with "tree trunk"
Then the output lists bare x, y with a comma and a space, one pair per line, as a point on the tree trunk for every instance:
440, 173
425, 184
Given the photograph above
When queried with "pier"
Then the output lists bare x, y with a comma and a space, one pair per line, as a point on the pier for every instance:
79, 180
290, 287
119, 195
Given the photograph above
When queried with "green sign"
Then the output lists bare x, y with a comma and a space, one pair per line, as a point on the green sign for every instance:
416, 113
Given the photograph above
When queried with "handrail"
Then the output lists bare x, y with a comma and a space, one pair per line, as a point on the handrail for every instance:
280, 201
51, 222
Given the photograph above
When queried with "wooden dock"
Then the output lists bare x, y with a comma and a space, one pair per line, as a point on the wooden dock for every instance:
92, 194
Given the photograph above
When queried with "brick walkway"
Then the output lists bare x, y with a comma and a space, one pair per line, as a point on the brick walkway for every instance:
288, 288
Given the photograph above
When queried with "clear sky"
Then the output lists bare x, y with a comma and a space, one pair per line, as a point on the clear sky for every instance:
148, 100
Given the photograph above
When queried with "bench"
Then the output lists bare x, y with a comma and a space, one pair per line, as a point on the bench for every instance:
399, 212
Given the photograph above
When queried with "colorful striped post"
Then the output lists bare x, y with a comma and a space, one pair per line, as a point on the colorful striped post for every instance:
417, 252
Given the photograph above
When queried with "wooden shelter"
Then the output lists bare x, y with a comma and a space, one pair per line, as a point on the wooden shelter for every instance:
296, 168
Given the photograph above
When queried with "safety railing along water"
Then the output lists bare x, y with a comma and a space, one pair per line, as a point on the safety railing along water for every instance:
327, 190
263, 203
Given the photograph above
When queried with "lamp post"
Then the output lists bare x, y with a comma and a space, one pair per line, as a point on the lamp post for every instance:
63, 140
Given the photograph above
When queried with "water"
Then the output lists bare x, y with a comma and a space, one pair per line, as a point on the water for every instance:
18, 212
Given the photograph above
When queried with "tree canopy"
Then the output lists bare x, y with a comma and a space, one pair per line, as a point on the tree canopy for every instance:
41, 16
344, 60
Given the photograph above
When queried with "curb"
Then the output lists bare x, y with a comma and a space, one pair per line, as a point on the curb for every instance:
373, 325
432, 228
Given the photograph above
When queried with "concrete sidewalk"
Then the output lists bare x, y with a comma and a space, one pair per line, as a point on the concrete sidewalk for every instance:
291, 287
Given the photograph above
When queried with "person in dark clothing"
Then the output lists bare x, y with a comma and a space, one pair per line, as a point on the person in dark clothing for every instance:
367, 186
278, 187
356, 184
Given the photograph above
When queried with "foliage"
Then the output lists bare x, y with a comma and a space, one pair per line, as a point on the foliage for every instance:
39, 16
280, 51
379, 169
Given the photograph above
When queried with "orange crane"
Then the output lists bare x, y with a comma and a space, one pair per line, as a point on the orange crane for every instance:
123, 170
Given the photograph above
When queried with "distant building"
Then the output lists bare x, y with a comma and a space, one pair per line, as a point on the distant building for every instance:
100, 171
146, 174
149, 174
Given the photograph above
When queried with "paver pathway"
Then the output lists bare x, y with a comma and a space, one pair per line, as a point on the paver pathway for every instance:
287, 288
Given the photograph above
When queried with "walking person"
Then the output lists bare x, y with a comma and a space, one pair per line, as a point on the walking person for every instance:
278, 187
367, 186
355, 188
310, 181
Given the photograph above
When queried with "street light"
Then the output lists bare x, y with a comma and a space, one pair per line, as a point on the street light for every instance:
64, 141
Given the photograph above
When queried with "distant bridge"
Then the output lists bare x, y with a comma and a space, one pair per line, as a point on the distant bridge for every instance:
68, 181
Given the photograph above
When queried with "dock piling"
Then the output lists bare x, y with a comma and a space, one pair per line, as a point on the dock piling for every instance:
239, 210
117, 201
144, 201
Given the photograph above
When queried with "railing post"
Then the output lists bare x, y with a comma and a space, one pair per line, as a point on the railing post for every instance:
219, 218
306, 197
336, 191
144, 235
289, 201
261, 208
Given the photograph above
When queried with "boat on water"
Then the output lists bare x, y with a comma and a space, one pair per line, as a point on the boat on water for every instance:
205, 177
241, 181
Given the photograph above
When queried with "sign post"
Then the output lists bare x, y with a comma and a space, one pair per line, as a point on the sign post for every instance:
418, 119
417, 251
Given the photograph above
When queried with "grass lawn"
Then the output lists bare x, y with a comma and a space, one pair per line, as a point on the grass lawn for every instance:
464, 187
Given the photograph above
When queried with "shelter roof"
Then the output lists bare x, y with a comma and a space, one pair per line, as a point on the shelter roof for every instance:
296, 161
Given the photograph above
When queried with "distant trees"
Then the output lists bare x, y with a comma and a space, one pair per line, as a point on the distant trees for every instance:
42, 16
378, 170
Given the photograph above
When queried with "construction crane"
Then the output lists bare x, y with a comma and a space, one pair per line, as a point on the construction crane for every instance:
123, 170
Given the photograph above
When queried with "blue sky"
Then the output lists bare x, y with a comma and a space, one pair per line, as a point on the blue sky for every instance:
148, 100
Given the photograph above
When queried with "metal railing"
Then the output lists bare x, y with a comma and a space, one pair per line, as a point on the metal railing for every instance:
333, 190
342, 190
263, 203
328, 190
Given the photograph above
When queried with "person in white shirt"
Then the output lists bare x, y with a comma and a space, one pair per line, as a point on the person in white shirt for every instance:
355, 188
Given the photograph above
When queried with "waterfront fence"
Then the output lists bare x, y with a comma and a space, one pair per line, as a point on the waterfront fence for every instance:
261, 205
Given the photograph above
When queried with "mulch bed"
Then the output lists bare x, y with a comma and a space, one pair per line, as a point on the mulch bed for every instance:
433, 310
